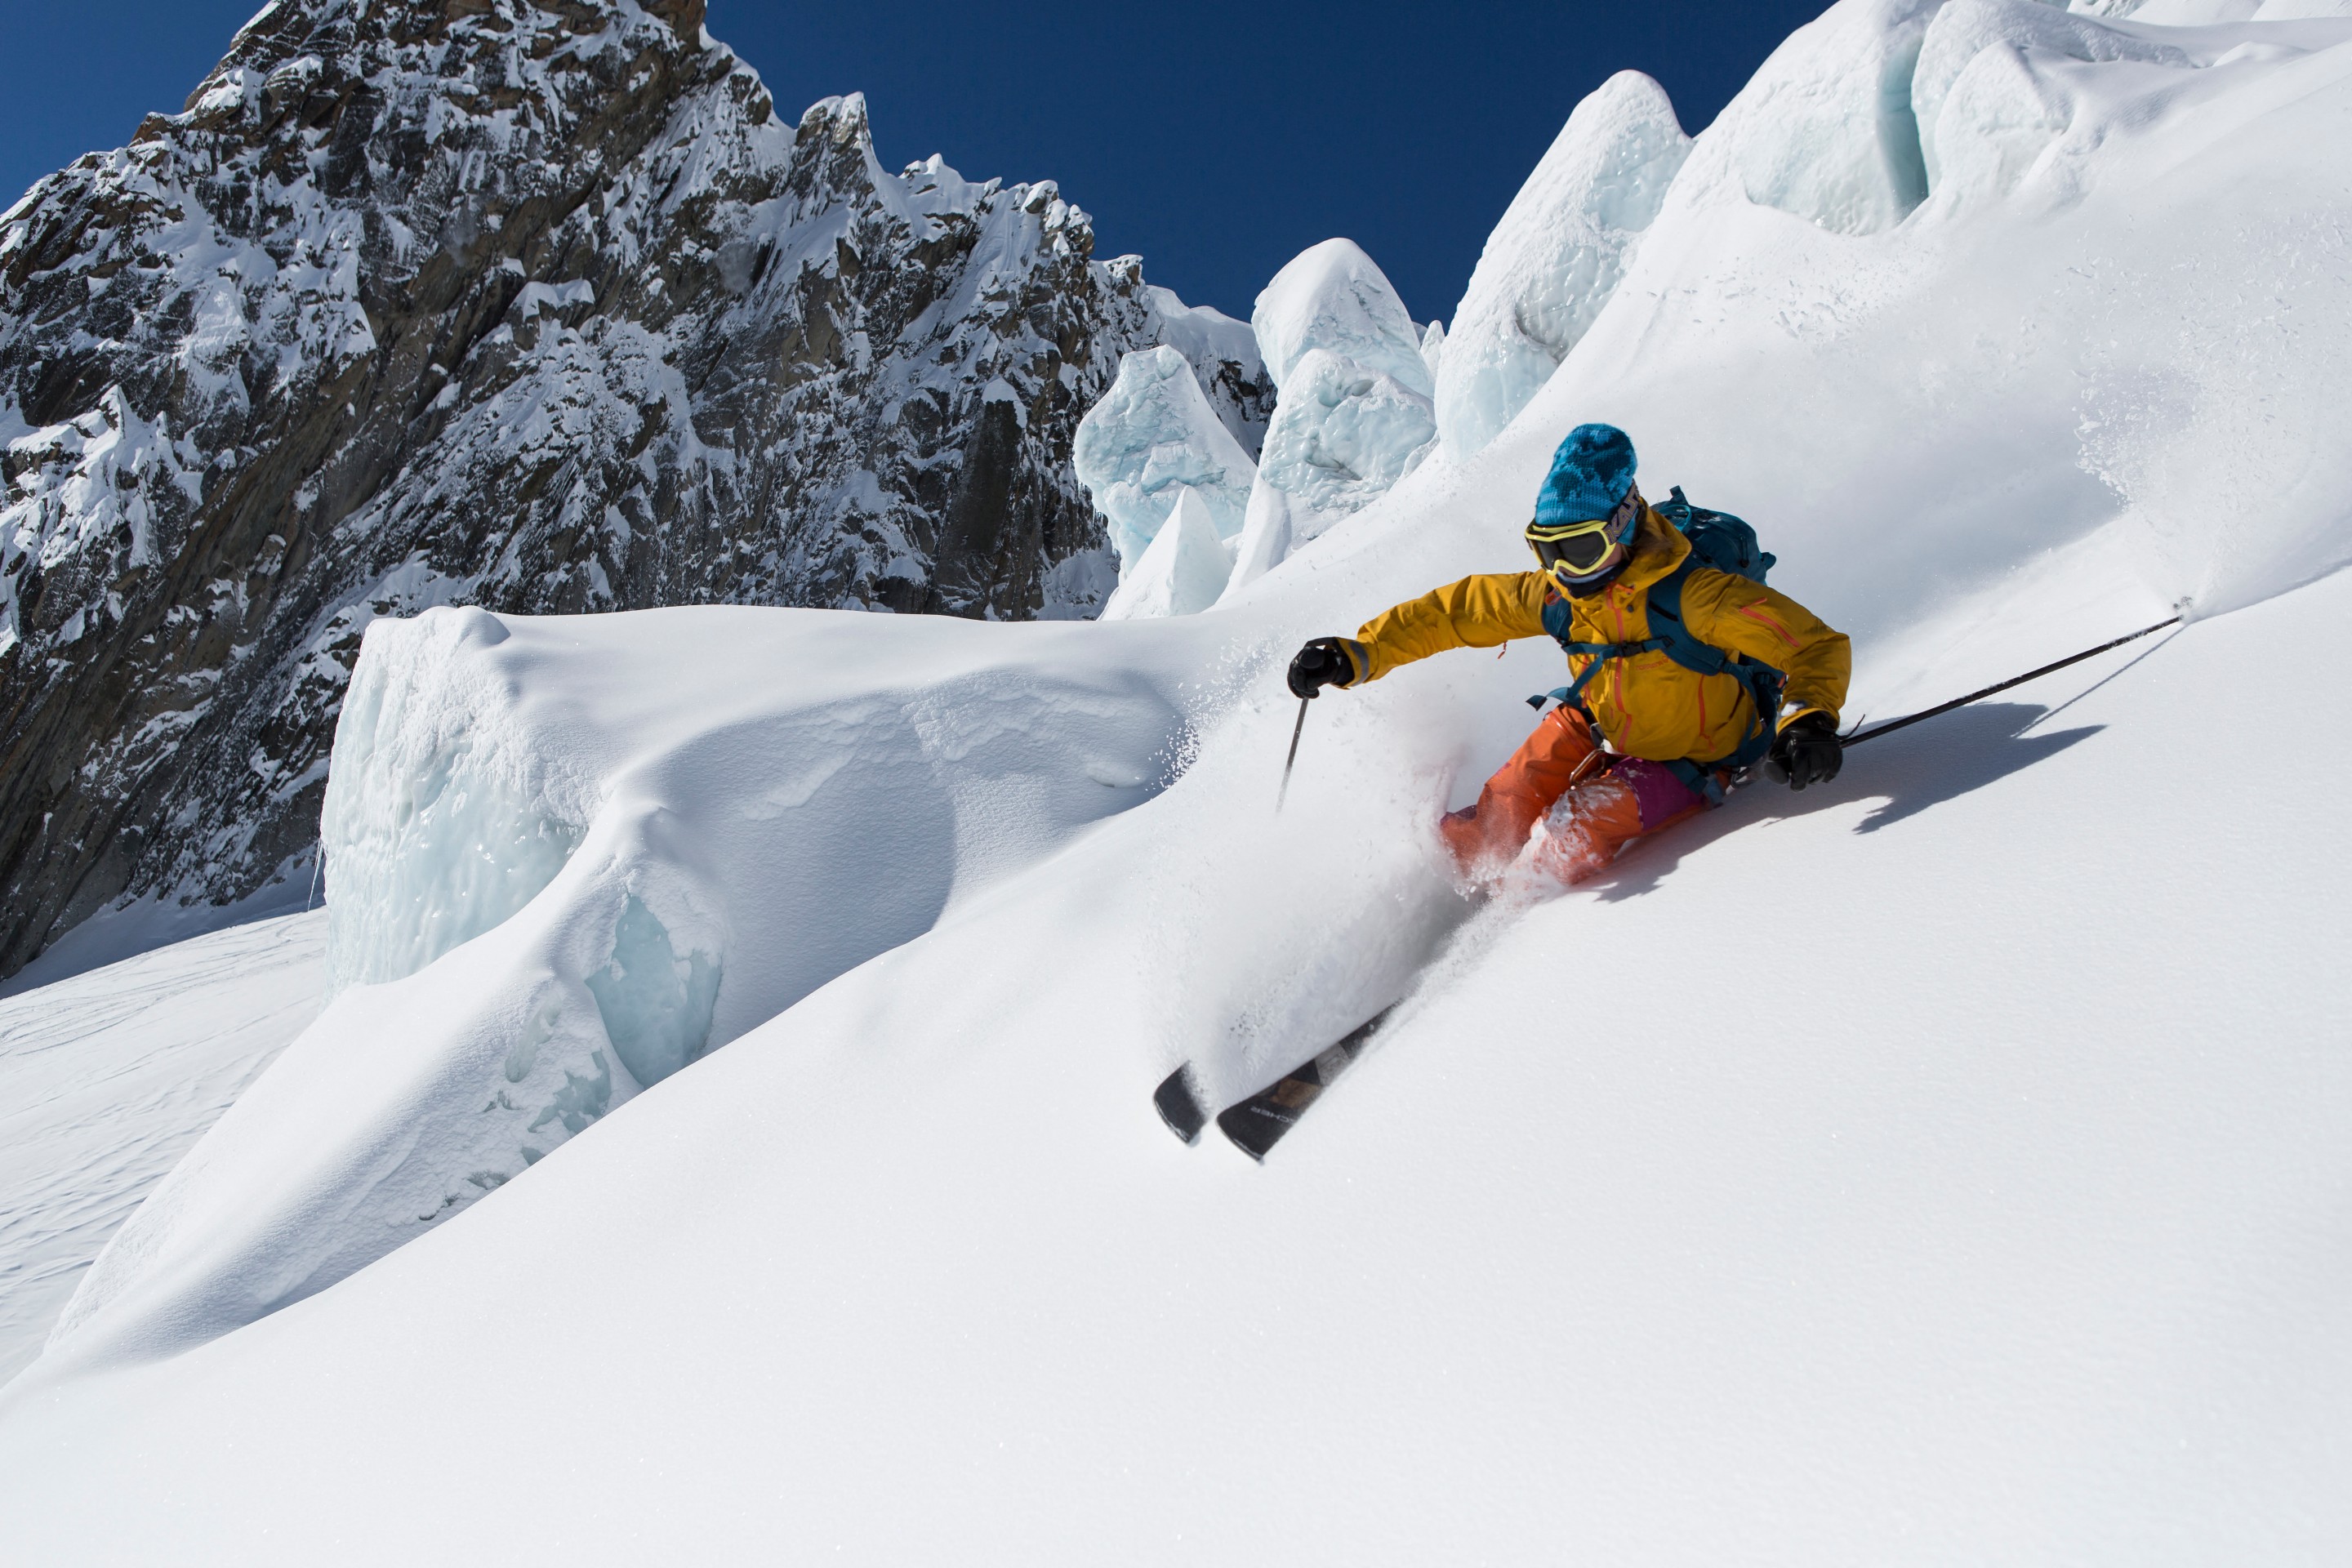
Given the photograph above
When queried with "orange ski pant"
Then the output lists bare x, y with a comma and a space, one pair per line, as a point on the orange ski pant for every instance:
1591, 803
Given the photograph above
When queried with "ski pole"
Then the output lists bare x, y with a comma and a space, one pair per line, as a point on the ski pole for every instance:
1894, 725
1296, 729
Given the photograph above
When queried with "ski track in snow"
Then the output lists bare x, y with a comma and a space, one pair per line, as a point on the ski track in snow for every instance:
107, 1078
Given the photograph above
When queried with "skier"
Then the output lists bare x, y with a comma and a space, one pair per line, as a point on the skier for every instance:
1676, 737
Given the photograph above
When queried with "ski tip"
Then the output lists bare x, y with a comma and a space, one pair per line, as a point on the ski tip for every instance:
1253, 1128
1178, 1100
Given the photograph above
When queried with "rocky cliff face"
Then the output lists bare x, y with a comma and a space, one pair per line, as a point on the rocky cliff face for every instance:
535, 304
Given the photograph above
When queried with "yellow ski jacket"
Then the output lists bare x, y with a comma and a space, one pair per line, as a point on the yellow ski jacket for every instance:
1647, 705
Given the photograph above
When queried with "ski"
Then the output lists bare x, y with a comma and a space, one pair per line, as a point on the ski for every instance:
1254, 1125
1258, 1122
1178, 1099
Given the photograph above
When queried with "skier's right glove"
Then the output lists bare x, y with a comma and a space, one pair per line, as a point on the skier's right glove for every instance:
1321, 663
1807, 752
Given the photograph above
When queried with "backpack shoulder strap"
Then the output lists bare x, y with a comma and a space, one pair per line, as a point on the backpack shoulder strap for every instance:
1558, 620
1666, 609
1668, 630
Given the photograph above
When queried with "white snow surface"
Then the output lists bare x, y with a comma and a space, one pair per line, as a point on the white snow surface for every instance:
107, 1077
1948, 1164
1555, 258
1333, 297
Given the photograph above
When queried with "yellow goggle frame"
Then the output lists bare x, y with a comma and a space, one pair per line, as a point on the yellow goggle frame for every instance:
1549, 541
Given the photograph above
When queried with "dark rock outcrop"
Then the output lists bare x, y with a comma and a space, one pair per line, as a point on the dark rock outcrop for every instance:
534, 304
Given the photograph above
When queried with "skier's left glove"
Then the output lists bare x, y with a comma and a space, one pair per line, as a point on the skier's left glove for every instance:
1806, 751
1321, 663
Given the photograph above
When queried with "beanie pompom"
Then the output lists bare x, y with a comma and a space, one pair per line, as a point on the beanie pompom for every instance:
1590, 475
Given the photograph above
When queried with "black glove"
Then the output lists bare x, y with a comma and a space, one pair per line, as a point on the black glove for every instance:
1321, 663
1806, 750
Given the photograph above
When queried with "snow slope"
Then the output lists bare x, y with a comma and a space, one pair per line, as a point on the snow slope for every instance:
2013, 1236
1949, 1165
107, 1077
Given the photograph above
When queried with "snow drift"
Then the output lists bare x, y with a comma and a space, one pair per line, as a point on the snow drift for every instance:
542, 902
1949, 1165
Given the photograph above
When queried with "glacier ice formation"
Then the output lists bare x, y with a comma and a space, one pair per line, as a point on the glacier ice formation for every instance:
1555, 257
1153, 437
1824, 129
1354, 400
654, 1002
439, 821
754, 802
1184, 570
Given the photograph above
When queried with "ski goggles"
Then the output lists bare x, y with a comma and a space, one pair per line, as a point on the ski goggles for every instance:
1579, 551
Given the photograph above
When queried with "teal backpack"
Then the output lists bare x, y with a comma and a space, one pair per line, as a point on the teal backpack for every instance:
1724, 544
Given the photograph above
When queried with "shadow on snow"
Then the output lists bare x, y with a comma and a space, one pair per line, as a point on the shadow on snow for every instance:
1907, 773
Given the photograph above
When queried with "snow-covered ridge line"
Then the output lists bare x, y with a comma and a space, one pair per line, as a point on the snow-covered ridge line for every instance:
538, 306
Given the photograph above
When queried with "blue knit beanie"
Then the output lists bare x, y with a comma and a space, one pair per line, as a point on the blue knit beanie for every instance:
1590, 475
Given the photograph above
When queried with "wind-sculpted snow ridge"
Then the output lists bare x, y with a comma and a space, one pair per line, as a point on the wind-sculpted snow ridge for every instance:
533, 305
1352, 411
567, 857
1555, 258
1988, 61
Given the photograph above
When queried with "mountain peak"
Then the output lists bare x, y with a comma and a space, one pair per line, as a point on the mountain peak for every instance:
538, 307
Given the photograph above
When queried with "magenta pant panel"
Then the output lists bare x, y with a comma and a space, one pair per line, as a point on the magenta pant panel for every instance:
1662, 797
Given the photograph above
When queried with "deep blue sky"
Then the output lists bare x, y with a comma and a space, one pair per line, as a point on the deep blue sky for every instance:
1217, 139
